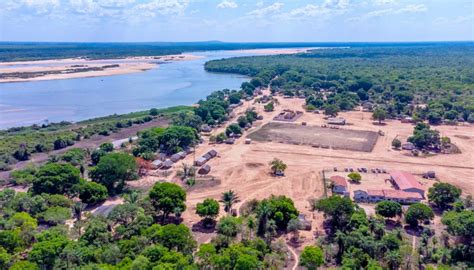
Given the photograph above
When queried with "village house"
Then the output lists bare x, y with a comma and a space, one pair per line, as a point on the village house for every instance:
407, 182
156, 164
175, 158
167, 164
200, 161
204, 169
400, 196
360, 195
339, 185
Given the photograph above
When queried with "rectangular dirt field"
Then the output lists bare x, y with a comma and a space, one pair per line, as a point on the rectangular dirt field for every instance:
355, 140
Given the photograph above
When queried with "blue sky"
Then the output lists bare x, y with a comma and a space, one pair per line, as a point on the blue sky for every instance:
234, 20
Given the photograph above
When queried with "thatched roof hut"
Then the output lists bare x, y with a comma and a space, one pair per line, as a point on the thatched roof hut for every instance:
204, 169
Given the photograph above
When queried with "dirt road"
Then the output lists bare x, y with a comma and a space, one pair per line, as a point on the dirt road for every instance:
92, 143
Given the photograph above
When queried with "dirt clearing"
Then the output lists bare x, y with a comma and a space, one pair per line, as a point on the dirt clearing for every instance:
355, 140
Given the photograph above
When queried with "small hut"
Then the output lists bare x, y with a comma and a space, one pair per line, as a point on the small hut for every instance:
182, 154
175, 158
230, 141
200, 161
337, 121
248, 141
212, 153
161, 156
156, 164
204, 169
408, 146
206, 128
167, 164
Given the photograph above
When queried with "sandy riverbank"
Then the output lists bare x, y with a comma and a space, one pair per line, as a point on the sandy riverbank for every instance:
58, 69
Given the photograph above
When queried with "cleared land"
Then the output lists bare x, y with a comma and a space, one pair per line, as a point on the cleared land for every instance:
355, 140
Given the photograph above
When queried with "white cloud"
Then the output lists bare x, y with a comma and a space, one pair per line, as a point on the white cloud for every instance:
39, 7
457, 20
384, 2
85, 6
259, 4
412, 9
266, 10
227, 4
335, 4
115, 3
390, 11
327, 8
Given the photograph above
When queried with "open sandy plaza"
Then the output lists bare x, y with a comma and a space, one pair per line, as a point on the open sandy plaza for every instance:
244, 168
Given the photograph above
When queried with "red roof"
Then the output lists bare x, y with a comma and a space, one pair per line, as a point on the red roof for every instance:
400, 194
339, 181
394, 194
405, 180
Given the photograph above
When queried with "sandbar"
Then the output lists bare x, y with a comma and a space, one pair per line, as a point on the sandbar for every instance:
57, 69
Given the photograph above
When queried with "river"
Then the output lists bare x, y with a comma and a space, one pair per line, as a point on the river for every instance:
170, 84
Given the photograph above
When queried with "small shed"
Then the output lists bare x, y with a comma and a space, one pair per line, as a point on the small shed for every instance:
207, 156
182, 154
337, 121
161, 156
175, 157
167, 164
408, 146
200, 161
157, 164
248, 141
212, 153
206, 128
204, 169
230, 141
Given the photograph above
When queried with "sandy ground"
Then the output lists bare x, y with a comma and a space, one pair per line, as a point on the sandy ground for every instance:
126, 65
244, 167
276, 51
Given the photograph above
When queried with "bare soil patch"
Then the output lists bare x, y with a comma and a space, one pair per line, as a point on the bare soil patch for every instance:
347, 139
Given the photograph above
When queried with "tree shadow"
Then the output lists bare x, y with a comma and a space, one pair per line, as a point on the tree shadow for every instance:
204, 227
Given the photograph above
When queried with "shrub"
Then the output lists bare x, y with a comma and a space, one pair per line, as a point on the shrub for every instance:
354, 177
92, 193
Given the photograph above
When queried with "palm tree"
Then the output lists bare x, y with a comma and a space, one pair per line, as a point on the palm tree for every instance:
251, 224
77, 208
132, 197
172, 144
393, 259
228, 199
263, 212
277, 165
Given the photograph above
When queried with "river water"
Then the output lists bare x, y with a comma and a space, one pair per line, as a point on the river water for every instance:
170, 84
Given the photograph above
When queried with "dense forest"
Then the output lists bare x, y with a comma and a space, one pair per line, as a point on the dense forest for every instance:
22, 51
427, 82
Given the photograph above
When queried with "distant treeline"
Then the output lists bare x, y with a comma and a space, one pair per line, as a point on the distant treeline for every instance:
22, 51
433, 82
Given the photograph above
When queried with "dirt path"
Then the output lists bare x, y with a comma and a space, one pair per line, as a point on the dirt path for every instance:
297, 259
93, 142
